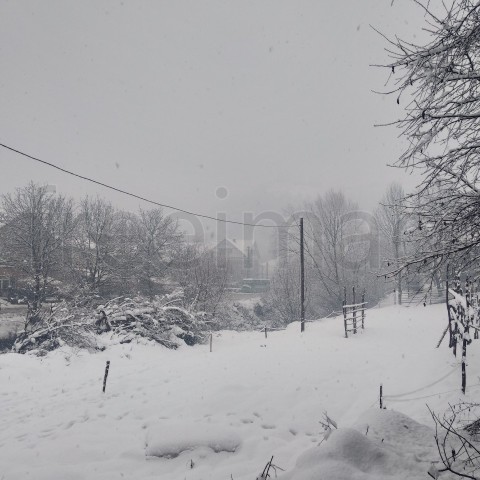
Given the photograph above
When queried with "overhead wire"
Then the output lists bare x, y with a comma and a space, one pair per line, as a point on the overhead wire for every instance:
429, 396
139, 197
450, 372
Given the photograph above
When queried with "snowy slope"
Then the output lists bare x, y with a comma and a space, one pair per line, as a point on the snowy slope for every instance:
227, 412
386, 445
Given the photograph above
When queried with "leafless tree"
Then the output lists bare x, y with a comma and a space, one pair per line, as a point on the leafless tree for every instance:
202, 278
158, 243
124, 259
439, 82
37, 225
95, 242
392, 224
283, 297
337, 257
338, 242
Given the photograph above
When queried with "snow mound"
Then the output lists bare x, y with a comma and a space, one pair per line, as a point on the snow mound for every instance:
347, 455
169, 439
358, 454
397, 430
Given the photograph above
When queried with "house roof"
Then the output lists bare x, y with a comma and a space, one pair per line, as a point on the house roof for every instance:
244, 246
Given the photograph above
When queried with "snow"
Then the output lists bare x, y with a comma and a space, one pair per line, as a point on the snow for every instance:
393, 446
10, 322
191, 414
171, 438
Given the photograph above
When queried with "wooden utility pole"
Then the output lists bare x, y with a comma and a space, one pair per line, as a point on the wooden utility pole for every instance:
302, 279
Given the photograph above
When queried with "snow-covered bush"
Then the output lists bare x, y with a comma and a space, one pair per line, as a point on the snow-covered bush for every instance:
81, 324
243, 315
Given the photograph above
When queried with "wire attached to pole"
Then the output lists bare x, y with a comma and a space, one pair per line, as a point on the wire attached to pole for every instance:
124, 192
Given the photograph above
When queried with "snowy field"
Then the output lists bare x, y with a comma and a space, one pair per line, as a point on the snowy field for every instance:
191, 414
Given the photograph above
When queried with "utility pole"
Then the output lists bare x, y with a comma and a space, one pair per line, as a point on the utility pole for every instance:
302, 280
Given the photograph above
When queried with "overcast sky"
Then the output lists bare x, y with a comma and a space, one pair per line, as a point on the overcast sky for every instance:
269, 99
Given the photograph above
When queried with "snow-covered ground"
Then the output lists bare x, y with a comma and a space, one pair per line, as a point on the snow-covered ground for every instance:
191, 414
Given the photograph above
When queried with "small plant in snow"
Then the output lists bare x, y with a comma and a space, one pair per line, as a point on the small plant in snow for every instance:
266, 471
327, 423
457, 442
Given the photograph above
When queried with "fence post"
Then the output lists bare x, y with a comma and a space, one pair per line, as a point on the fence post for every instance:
211, 341
265, 331
467, 292
354, 310
107, 368
344, 308
464, 356
450, 331
363, 310
472, 304
381, 396
455, 336
302, 279
475, 309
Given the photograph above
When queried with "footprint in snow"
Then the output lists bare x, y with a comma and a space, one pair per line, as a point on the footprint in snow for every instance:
69, 424
268, 426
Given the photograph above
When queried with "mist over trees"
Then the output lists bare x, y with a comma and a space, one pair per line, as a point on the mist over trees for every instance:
392, 223
59, 248
91, 248
37, 230
345, 247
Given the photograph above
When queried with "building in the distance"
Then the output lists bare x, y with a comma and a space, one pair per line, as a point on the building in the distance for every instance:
240, 258
7, 278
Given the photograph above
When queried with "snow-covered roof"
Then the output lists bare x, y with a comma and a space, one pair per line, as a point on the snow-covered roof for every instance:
244, 246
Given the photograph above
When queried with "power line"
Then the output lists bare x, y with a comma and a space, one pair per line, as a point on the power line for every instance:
124, 192
453, 370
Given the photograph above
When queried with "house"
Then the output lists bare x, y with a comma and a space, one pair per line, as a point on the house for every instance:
7, 278
241, 259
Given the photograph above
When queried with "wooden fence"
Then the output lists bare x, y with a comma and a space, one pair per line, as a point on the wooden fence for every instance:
422, 296
463, 307
354, 313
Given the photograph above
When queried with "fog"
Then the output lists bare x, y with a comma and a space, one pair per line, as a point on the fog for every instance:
269, 100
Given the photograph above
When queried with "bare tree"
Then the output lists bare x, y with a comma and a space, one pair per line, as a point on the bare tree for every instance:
335, 256
440, 82
283, 297
36, 227
338, 251
158, 243
123, 261
392, 223
95, 242
202, 278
